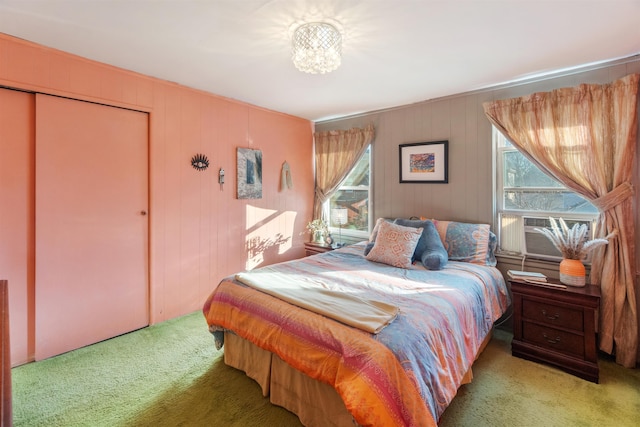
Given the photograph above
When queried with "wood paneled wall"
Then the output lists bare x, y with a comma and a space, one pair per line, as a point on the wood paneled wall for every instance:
199, 231
457, 119
461, 120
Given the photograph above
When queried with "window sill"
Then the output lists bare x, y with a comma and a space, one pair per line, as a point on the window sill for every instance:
546, 267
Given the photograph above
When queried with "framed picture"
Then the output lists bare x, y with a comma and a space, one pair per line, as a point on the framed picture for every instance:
424, 162
249, 173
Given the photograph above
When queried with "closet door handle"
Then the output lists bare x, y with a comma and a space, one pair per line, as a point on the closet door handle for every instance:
143, 213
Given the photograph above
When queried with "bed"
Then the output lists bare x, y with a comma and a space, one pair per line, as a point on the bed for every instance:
395, 350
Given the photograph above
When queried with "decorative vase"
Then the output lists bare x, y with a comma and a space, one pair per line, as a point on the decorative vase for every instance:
318, 238
572, 272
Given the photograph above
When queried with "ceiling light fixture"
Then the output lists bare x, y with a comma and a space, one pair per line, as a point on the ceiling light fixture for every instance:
317, 48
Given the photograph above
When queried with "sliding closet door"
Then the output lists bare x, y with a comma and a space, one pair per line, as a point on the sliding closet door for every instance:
17, 111
91, 223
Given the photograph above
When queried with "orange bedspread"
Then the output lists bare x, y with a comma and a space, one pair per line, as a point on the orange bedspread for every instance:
408, 373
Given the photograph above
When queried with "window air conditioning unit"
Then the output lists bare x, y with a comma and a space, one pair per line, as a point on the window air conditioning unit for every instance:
537, 245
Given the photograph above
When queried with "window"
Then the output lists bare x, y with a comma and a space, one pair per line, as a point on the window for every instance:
348, 208
525, 197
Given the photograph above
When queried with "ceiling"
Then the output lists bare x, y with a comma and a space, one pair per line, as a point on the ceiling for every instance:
395, 52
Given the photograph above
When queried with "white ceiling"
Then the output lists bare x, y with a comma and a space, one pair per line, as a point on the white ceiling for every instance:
395, 52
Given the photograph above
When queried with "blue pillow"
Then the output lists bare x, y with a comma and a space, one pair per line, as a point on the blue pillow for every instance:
436, 257
429, 250
368, 248
491, 254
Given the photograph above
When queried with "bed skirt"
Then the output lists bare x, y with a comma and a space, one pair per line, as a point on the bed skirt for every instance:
316, 404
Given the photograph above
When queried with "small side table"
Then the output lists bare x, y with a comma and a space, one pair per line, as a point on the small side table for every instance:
315, 248
556, 326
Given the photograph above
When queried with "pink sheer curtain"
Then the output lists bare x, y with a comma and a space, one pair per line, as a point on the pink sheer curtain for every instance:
585, 137
337, 152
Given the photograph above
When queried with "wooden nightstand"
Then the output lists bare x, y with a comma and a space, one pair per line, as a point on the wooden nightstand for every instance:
314, 248
556, 326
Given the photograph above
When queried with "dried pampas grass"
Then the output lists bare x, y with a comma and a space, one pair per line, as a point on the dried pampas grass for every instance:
572, 242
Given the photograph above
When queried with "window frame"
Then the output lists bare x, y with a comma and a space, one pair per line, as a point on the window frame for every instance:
499, 190
351, 234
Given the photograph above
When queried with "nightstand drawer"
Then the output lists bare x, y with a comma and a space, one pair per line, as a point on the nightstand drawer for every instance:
314, 249
556, 326
554, 339
550, 314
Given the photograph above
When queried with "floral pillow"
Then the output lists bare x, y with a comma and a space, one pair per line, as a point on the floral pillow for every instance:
467, 242
395, 245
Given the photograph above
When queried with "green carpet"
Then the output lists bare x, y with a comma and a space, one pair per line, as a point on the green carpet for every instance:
165, 375
171, 375
509, 391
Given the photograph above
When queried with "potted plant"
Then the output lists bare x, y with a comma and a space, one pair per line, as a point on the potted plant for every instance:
319, 231
574, 247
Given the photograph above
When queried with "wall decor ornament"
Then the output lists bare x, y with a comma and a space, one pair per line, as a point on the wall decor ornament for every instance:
249, 173
199, 162
424, 162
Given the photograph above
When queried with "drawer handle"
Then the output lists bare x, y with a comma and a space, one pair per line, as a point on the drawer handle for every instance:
555, 340
553, 317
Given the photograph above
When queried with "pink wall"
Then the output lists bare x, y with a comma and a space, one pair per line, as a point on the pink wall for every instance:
199, 232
